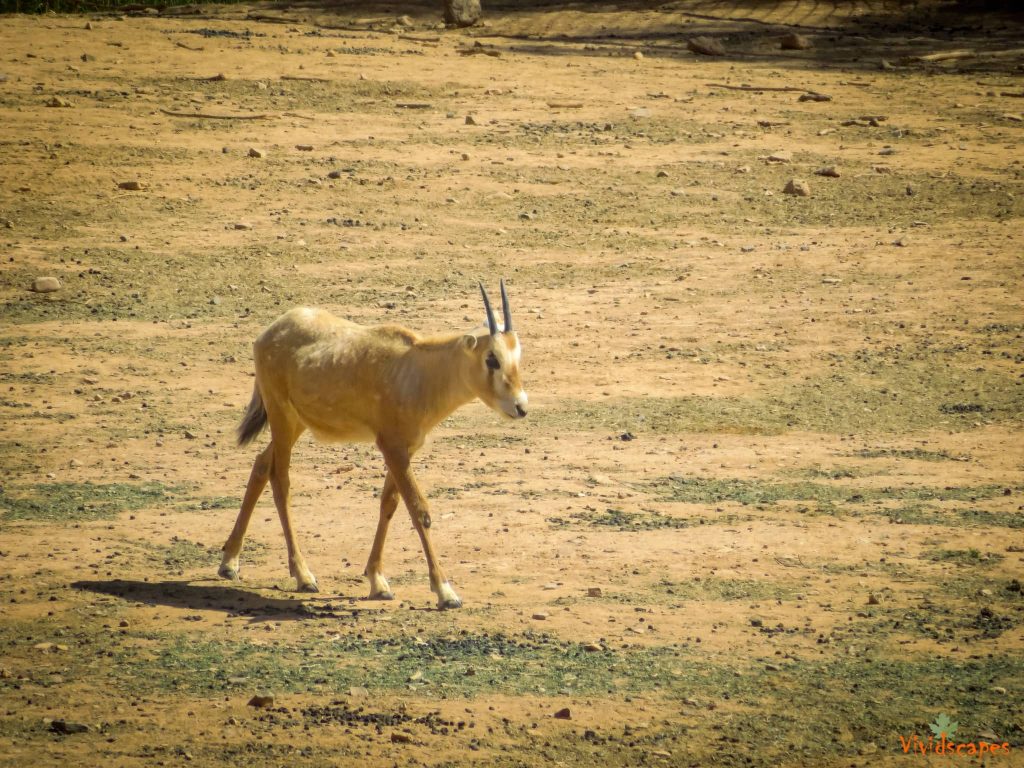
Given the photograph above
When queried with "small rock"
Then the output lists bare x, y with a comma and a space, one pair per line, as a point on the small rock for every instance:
998, 689
795, 42
707, 46
68, 727
335, 174
242, 225
132, 186
405, 21
830, 171
638, 55
873, 599
812, 96
563, 714
903, 242
592, 647
56, 101
400, 738
254, 152
264, 701
470, 120
662, 174
886, 151
551, 586
780, 157
594, 592
46, 284
797, 187
304, 147
358, 692
539, 616
773, 667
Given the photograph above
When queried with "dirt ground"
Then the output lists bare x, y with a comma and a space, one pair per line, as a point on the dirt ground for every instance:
766, 509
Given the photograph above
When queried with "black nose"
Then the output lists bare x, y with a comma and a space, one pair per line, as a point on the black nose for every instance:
520, 411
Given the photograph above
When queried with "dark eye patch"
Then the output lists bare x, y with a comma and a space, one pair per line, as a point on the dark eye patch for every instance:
492, 362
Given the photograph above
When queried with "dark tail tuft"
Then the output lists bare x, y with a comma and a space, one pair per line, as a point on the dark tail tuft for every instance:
254, 421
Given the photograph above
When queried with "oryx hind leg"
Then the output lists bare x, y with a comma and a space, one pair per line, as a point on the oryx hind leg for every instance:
257, 482
285, 432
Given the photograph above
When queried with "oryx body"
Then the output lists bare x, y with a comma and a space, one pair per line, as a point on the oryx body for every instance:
347, 382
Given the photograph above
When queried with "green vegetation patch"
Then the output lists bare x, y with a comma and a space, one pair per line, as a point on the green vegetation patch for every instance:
77, 502
708, 490
963, 556
466, 665
620, 520
915, 454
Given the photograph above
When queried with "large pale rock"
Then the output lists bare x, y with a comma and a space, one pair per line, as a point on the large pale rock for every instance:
45, 284
461, 13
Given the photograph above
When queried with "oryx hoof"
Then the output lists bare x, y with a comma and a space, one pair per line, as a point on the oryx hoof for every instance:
228, 572
309, 586
449, 604
386, 595
446, 598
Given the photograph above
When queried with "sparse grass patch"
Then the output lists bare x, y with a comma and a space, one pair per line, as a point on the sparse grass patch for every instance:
78, 502
916, 454
963, 556
621, 520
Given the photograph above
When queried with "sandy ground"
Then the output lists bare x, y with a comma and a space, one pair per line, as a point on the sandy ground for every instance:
766, 509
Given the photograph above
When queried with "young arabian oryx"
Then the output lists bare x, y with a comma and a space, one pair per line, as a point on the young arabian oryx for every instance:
347, 383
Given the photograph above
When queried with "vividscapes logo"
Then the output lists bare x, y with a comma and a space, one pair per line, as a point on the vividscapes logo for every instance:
941, 742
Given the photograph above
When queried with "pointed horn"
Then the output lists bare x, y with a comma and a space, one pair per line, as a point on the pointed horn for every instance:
491, 325
506, 312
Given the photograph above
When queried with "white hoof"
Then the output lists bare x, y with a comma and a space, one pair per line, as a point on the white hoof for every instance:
447, 599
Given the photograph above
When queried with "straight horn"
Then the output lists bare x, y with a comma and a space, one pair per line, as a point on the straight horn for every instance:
505, 308
491, 325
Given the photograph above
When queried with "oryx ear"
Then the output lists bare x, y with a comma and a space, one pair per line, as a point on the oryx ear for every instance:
469, 342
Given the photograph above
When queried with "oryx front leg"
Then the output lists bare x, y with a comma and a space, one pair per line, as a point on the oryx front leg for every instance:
257, 482
398, 467
379, 587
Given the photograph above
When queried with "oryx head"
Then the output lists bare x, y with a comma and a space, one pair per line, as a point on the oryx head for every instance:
496, 362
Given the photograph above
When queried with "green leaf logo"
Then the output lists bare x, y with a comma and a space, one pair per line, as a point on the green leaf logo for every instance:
943, 726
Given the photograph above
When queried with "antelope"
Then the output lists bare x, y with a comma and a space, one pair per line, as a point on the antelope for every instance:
385, 384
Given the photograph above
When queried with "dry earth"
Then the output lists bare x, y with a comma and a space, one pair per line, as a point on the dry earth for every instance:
766, 510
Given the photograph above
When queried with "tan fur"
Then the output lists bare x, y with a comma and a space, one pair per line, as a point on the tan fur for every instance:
385, 384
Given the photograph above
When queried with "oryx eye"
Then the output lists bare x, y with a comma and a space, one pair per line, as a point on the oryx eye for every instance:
492, 362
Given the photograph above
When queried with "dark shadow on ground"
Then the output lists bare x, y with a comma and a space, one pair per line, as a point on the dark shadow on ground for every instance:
891, 35
228, 599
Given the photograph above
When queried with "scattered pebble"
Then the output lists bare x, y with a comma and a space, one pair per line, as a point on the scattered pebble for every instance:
132, 186
795, 42
470, 120
57, 101
595, 592
830, 171
707, 46
797, 187
46, 284
262, 701
254, 152
540, 616
68, 727
563, 714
